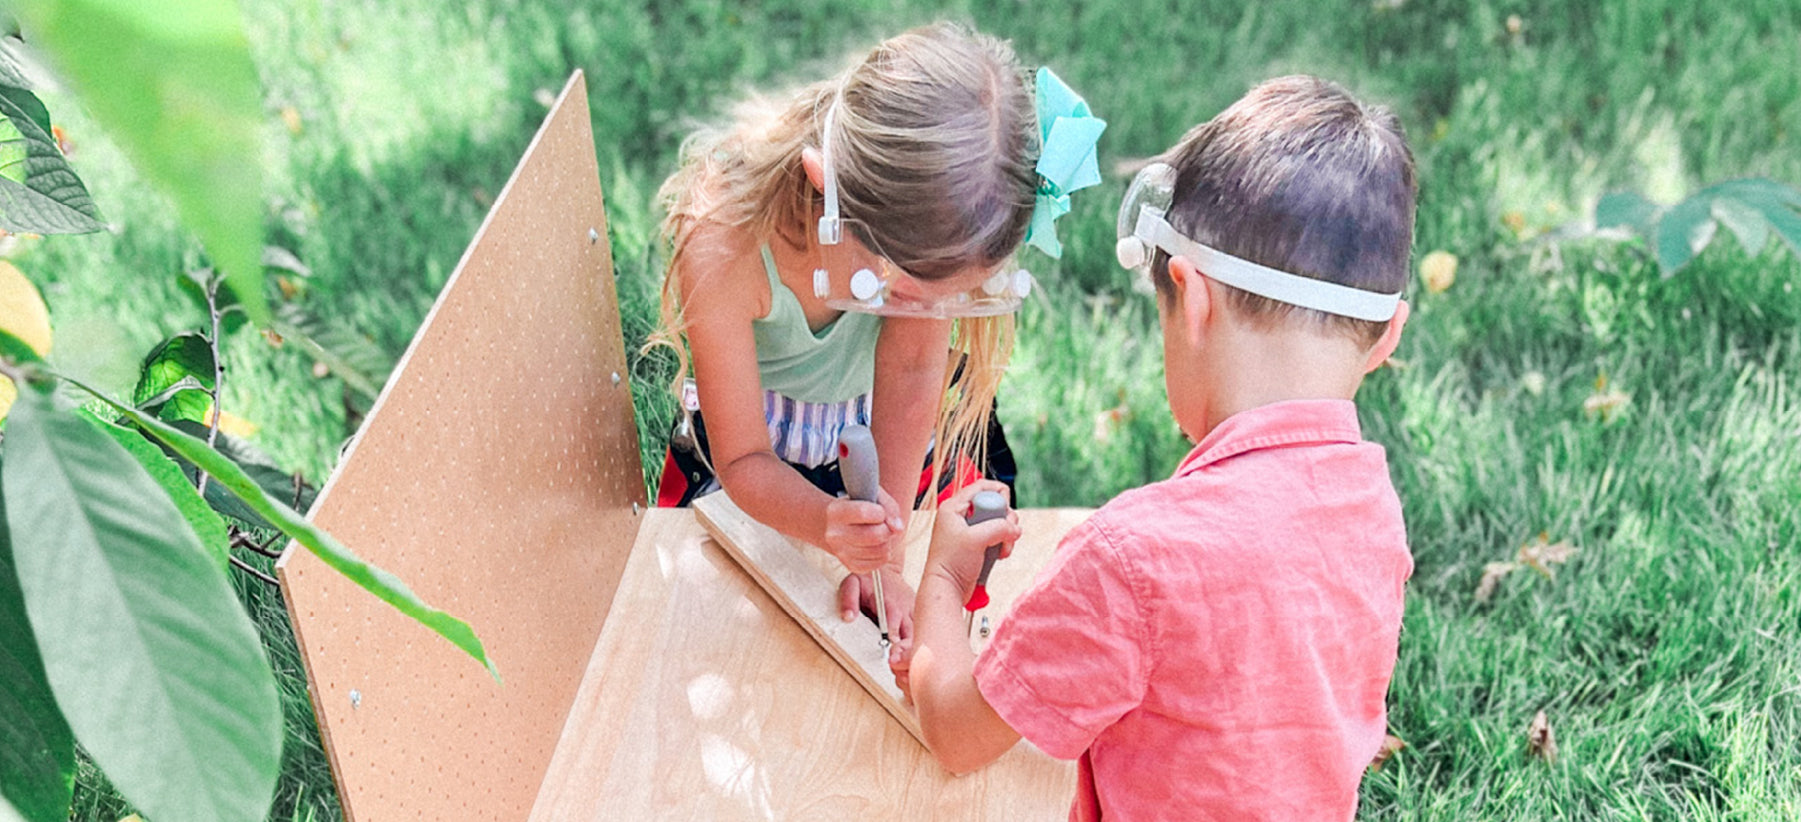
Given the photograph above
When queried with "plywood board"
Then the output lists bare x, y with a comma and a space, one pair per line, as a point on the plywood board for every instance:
498, 475
789, 572
706, 701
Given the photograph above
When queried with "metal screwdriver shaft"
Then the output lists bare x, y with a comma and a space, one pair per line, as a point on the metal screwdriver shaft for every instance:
863, 481
987, 505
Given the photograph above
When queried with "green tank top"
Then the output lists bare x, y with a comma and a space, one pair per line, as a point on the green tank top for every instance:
834, 365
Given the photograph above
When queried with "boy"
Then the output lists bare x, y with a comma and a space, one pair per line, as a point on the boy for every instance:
1218, 645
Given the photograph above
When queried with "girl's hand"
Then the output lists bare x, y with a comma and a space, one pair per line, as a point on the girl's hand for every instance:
860, 534
857, 595
958, 547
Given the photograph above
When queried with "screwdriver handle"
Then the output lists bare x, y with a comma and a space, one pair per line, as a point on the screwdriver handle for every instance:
987, 505
862, 474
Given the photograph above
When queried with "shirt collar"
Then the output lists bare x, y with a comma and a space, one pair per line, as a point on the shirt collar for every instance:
1293, 422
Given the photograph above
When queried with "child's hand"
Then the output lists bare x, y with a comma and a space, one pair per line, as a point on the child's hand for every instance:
860, 534
856, 595
957, 546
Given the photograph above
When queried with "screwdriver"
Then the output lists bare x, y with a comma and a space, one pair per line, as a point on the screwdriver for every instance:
863, 481
987, 505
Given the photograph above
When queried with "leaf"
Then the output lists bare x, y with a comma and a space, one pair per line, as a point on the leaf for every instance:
1683, 232
275, 256
260, 467
1745, 222
37, 750
49, 199
1625, 209
355, 358
186, 355
207, 525
1540, 554
28, 104
158, 668
1391, 745
1492, 574
384, 585
1438, 271
173, 83
1541, 741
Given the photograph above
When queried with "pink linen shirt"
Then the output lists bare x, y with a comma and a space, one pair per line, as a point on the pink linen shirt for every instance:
1218, 645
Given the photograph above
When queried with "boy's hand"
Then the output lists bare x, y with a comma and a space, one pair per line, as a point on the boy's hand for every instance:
860, 534
957, 546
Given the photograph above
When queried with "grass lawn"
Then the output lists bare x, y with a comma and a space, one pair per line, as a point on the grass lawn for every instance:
1666, 652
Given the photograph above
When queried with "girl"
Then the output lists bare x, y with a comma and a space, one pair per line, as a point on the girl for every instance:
822, 246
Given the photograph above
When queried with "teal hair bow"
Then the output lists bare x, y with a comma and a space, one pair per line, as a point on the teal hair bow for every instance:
1066, 163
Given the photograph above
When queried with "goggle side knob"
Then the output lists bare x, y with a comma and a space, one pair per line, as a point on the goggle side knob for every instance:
1131, 252
865, 284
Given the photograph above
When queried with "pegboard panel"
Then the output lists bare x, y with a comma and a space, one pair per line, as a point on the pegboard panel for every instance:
498, 475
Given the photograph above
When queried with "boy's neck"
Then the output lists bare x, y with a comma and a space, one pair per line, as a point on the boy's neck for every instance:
1248, 367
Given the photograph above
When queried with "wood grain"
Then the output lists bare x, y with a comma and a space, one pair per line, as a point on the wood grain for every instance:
705, 700
809, 595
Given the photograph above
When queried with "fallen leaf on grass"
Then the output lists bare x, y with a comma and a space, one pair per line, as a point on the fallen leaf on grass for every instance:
1542, 553
1391, 745
1438, 271
1605, 402
290, 117
1492, 574
1541, 741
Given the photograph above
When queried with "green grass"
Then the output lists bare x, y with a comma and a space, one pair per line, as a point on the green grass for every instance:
1667, 652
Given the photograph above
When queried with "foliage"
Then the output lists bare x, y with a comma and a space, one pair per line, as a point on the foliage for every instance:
39, 192
173, 82
1664, 653
1751, 209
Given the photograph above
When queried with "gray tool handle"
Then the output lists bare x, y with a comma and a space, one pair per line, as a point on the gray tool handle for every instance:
986, 506
857, 463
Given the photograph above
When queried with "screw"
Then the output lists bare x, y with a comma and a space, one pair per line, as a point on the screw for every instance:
984, 627
356, 698
593, 236
635, 508
615, 378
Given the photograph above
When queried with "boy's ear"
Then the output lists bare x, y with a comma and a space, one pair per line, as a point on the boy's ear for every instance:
1191, 302
1390, 339
811, 160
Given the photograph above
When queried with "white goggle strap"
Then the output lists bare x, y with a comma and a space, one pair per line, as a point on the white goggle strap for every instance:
831, 229
1281, 286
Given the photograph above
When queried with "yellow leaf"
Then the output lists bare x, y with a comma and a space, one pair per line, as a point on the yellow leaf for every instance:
1438, 270
290, 117
23, 315
233, 424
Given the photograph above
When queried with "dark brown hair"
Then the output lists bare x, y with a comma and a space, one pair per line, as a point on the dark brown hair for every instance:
1301, 177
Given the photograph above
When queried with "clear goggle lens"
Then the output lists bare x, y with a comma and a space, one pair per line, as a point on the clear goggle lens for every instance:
852, 275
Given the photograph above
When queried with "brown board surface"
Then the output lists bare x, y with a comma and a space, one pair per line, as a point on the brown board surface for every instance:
498, 475
705, 700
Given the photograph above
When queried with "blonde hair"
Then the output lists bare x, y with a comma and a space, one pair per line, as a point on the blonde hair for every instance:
934, 142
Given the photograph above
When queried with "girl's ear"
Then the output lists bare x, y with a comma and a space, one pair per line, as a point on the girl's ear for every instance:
1385, 346
815, 166
1191, 302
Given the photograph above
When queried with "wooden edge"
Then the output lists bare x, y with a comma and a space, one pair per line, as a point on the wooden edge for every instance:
810, 597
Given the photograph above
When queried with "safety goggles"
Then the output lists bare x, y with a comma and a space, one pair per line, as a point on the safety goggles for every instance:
1143, 230
853, 274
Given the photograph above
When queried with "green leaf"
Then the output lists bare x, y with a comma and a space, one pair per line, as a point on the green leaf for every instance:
158, 668
1625, 209
37, 751
185, 355
17, 350
260, 467
1683, 232
28, 103
173, 83
183, 401
49, 198
355, 358
201, 517
1745, 222
384, 585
